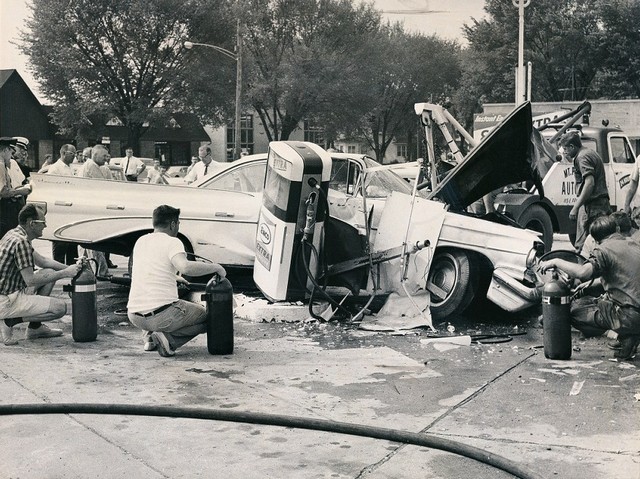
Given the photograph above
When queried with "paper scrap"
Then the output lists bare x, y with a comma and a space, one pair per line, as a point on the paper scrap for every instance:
577, 387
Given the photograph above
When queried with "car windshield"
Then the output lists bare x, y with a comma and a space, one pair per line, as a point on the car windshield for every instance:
346, 174
381, 183
248, 178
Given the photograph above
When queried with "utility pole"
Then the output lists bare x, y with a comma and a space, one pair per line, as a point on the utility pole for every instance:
520, 75
237, 56
237, 148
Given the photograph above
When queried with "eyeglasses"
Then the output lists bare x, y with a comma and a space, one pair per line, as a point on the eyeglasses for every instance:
44, 223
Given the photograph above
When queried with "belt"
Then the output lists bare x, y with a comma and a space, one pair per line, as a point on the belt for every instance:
155, 311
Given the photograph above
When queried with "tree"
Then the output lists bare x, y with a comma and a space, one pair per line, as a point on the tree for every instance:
563, 40
304, 61
407, 69
99, 59
620, 75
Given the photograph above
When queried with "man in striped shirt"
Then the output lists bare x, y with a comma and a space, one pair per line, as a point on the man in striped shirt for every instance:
24, 292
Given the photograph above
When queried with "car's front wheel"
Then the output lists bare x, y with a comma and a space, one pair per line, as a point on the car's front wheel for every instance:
452, 283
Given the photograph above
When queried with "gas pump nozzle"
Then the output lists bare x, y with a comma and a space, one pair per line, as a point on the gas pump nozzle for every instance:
311, 216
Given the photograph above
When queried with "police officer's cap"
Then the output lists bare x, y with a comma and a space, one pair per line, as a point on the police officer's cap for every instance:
8, 141
21, 141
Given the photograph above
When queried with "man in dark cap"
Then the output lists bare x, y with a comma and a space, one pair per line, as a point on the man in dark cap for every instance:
11, 196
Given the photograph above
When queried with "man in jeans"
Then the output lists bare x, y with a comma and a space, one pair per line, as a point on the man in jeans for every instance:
24, 292
153, 298
591, 185
616, 261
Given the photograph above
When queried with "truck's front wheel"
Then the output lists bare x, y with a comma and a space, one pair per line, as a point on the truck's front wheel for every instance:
452, 282
536, 218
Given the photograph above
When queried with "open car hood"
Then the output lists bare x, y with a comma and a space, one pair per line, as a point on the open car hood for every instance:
508, 154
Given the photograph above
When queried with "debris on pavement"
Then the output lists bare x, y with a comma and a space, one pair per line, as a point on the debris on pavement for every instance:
576, 388
397, 314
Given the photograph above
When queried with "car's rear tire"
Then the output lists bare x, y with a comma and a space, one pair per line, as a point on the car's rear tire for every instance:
452, 282
536, 218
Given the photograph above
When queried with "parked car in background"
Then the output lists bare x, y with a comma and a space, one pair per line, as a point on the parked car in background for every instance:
177, 171
119, 161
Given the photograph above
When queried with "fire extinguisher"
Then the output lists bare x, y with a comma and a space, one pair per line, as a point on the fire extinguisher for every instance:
84, 304
556, 320
218, 298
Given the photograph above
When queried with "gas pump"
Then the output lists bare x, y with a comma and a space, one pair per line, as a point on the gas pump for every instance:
290, 227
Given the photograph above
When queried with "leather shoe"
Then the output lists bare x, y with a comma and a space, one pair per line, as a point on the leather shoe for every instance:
163, 345
149, 343
628, 349
7, 334
43, 331
614, 345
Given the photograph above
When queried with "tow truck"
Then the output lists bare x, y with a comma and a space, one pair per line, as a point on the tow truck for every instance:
549, 213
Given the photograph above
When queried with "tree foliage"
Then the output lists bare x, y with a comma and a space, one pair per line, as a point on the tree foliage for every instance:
562, 40
405, 69
98, 59
579, 49
620, 75
304, 61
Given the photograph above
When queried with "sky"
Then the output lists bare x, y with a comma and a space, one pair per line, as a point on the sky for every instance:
440, 17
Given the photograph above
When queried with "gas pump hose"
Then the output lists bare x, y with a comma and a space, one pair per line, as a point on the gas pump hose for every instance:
404, 437
322, 261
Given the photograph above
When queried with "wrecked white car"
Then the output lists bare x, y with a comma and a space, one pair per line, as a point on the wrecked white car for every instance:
472, 257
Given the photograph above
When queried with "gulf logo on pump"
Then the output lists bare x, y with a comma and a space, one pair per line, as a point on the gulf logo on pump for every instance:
264, 242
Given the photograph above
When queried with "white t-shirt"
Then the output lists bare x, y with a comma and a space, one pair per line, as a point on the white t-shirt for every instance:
153, 277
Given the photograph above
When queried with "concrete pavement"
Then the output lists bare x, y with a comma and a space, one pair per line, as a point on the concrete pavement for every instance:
566, 419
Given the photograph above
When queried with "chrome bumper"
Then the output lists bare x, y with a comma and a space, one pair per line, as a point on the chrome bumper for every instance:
510, 293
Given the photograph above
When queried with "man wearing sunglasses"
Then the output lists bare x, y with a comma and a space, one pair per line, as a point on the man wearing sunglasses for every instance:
25, 291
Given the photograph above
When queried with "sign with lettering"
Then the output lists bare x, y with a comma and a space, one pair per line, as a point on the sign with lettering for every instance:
264, 243
483, 124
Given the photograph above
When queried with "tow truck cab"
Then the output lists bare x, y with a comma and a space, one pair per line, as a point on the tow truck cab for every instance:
550, 214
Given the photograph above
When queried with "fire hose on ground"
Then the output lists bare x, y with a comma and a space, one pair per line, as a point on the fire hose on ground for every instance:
324, 425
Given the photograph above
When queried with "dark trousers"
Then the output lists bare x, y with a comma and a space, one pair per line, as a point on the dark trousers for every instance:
9, 209
63, 252
594, 316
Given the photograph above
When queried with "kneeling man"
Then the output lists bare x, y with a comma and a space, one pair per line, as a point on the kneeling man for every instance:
24, 292
616, 261
153, 298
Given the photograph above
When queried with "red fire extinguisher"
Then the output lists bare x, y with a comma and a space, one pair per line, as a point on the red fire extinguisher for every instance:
84, 304
556, 319
218, 297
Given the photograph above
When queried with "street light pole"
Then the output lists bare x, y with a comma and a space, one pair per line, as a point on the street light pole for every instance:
238, 126
520, 76
238, 58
